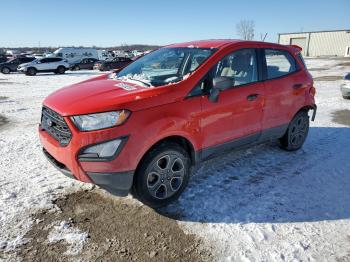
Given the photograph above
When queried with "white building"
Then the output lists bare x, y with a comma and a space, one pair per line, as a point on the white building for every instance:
319, 43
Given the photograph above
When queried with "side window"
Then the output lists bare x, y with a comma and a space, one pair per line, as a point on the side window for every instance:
279, 63
241, 66
45, 60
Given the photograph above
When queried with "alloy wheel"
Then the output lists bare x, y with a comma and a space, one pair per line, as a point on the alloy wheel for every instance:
166, 176
298, 131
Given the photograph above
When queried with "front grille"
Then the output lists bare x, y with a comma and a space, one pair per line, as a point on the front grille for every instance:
56, 126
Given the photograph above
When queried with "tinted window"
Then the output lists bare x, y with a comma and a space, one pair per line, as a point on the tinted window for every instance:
56, 59
44, 60
25, 59
240, 65
279, 63
347, 77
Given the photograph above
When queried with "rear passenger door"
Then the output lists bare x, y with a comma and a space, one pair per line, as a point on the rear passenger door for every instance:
283, 87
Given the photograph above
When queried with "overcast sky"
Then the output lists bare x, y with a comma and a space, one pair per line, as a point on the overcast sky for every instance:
110, 23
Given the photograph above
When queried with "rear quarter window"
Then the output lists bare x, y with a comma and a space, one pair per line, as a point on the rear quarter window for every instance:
301, 58
279, 63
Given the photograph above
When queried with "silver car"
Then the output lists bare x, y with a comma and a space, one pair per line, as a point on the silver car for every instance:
345, 87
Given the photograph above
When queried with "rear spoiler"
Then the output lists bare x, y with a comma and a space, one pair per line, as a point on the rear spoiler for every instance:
296, 49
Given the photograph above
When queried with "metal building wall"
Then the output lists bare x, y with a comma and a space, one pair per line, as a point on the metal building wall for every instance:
332, 43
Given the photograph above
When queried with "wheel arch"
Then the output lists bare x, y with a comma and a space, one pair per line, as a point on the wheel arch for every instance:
306, 109
178, 139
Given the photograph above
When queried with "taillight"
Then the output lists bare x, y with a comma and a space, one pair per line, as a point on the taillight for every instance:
312, 91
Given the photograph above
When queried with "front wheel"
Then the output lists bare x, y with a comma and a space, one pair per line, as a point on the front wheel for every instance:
162, 175
5, 70
31, 71
296, 133
61, 70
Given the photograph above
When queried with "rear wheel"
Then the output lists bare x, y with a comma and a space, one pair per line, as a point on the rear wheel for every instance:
346, 97
76, 68
296, 133
61, 70
162, 175
5, 70
31, 71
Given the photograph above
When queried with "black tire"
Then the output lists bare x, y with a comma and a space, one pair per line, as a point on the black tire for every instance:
76, 68
5, 70
296, 133
31, 71
61, 70
154, 184
108, 68
346, 97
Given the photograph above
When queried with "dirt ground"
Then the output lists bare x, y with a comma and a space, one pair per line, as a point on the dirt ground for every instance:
118, 230
341, 117
328, 78
3, 121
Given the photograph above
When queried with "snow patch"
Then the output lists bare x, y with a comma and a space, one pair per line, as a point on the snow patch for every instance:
73, 237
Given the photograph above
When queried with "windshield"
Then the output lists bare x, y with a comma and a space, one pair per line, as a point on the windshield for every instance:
165, 66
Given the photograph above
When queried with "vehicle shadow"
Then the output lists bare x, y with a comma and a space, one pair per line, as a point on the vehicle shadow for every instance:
265, 184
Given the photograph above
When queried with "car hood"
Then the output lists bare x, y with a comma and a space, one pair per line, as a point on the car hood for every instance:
102, 94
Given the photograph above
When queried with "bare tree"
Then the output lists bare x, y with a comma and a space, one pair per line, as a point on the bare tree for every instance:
263, 37
245, 29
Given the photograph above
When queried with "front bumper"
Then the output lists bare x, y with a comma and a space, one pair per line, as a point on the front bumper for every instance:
118, 183
114, 175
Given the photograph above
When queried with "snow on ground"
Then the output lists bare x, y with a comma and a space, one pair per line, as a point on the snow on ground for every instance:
27, 181
264, 204
72, 236
256, 204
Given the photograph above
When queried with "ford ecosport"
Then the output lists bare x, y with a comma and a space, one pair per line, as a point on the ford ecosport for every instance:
144, 126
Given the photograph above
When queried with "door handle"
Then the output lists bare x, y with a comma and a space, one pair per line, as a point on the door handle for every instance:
297, 86
252, 97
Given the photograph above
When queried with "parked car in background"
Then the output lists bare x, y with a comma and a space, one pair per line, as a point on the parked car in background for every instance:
12, 64
116, 63
74, 54
345, 87
146, 125
3, 58
86, 63
46, 64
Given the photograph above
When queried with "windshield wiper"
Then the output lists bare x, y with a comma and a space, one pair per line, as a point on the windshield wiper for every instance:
145, 83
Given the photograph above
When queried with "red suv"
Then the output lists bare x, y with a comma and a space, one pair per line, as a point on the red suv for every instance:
145, 126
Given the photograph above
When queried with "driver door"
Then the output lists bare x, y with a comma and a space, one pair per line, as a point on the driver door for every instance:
236, 118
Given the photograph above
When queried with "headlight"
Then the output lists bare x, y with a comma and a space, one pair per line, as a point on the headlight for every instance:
100, 120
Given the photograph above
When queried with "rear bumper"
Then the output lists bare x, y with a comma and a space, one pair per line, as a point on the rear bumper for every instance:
345, 90
118, 183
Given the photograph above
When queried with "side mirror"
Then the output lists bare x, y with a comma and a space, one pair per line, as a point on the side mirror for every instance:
220, 83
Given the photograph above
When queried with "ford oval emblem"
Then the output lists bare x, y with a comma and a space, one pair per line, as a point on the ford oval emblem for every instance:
48, 122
